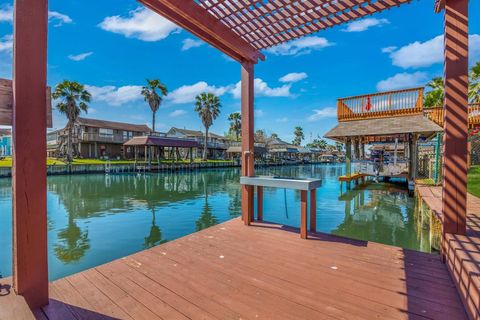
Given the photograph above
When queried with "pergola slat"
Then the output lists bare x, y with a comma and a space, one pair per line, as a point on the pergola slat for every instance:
192, 17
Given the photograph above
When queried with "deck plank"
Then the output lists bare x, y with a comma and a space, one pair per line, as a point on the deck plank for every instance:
264, 271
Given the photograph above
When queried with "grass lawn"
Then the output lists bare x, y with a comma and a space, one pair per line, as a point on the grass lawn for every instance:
473, 180
7, 162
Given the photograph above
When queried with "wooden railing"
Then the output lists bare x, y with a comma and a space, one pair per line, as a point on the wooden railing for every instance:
436, 114
382, 104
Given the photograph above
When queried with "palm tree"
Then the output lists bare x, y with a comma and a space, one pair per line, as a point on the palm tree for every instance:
436, 96
235, 123
474, 86
73, 99
299, 136
149, 93
207, 106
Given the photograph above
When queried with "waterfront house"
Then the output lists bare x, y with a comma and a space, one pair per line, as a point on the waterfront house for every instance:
217, 145
5, 142
93, 138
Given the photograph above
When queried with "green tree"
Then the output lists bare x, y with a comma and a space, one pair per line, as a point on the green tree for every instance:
207, 106
299, 136
154, 99
274, 136
318, 143
435, 97
260, 136
474, 86
235, 124
73, 99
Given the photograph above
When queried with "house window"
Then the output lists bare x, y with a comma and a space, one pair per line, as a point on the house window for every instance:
127, 135
105, 132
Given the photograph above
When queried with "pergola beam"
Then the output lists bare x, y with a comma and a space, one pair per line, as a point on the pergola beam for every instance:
456, 117
195, 19
29, 184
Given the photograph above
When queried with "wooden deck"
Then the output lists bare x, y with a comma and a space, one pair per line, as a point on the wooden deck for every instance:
264, 271
462, 253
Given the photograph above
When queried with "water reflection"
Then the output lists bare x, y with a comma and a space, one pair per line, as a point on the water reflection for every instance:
93, 219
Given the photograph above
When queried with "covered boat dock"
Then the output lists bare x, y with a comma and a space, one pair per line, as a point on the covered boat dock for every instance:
154, 147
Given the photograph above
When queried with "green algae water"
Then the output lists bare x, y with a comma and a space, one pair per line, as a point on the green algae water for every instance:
94, 219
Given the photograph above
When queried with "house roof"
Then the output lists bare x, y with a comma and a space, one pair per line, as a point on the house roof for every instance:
383, 127
161, 142
113, 125
196, 133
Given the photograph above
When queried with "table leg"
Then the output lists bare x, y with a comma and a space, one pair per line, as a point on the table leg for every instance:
303, 214
259, 203
313, 210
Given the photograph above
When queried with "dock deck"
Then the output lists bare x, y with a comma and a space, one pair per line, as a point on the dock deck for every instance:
264, 271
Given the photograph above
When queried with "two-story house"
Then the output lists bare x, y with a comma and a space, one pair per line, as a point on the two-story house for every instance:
93, 138
216, 144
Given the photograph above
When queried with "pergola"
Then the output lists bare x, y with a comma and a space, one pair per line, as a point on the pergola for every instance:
240, 29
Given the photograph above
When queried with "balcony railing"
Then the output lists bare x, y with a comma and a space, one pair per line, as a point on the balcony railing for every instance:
383, 104
437, 114
97, 137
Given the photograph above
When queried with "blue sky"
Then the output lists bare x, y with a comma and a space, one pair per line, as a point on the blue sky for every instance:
113, 46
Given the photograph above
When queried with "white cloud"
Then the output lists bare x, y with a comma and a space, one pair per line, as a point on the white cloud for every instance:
59, 18
142, 24
177, 113
293, 77
300, 46
187, 93
115, 96
365, 24
6, 14
261, 88
403, 80
259, 113
281, 120
80, 57
191, 43
424, 54
389, 49
318, 114
6, 43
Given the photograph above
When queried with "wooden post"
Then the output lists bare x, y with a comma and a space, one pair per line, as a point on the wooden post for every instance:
29, 184
313, 210
456, 117
303, 214
247, 139
259, 203
348, 160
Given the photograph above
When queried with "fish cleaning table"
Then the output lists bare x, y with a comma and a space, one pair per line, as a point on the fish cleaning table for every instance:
305, 185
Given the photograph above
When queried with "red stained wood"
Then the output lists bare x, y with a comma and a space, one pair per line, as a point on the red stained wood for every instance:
30, 270
248, 169
303, 214
264, 271
313, 210
259, 203
6, 103
192, 17
456, 117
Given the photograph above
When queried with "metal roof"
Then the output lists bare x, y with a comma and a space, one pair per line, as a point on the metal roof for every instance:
113, 125
161, 142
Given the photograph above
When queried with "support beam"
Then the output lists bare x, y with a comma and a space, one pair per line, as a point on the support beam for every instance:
259, 203
195, 19
348, 160
303, 214
456, 117
248, 168
313, 210
29, 184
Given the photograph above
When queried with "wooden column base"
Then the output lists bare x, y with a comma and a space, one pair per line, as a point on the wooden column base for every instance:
313, 210
259, 203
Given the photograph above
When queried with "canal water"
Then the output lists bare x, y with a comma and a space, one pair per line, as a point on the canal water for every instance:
94, 219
